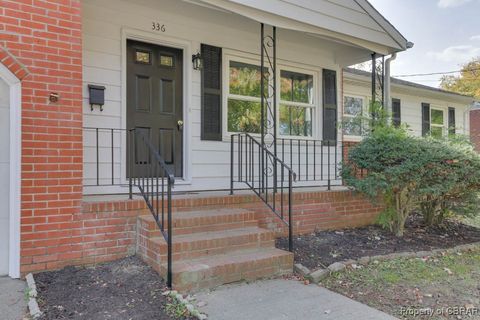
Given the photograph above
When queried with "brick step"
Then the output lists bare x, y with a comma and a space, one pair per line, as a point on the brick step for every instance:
234, 266
187, 222
196, 245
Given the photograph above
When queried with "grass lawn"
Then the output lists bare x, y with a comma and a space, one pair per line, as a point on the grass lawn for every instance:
473, 221
423, 285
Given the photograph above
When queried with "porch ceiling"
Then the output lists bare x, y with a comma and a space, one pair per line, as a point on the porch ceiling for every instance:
354, 26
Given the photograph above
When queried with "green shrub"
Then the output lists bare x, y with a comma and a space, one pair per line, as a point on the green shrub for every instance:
439, 177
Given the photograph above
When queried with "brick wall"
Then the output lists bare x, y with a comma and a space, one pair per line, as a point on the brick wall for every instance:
106, 231
475, 128
41, 43
316, 210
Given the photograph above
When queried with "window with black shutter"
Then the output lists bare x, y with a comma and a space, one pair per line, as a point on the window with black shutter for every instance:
211, 109
329, 105
396, 113
425, 119
451, 121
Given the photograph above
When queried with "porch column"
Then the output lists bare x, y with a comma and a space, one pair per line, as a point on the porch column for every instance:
268, 93
378, 81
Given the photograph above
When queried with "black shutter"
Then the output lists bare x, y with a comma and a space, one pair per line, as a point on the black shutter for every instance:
396, 113
451, 121
329, 105
211, 113
425, 119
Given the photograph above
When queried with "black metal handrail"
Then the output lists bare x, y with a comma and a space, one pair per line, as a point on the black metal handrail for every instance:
265, 174
148, 171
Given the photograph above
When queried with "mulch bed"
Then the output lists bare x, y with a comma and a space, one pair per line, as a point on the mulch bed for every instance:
123, 289
320, 249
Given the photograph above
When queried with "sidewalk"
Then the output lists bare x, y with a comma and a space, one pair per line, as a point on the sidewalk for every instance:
283, 299
12, 301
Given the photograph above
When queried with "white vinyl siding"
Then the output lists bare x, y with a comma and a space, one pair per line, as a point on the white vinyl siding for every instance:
207, 166
411, 102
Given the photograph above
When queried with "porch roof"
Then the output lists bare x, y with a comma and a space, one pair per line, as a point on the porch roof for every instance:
353, 23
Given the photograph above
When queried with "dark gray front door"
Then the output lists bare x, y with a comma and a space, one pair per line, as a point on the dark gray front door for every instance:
155, 100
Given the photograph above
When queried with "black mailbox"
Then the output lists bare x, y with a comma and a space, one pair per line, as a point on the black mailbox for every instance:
97, 96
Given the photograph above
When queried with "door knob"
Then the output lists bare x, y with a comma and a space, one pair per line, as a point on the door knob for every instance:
180, 125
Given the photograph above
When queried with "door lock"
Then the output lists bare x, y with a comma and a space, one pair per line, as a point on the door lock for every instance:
180, 125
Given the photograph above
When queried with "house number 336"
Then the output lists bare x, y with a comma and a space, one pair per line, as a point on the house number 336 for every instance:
158, 27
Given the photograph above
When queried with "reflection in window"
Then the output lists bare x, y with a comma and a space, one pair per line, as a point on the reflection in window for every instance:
244, 111
295, 121
244, 116
244, 79
352, 112
437, 124
166, 61
142, 57
296, 104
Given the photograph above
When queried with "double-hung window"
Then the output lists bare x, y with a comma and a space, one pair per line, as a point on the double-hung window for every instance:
352, 115
437, 123
297, 104
244, 97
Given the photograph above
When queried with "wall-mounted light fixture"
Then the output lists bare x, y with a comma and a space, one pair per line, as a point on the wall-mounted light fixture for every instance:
53, 97
97, 96
197, 61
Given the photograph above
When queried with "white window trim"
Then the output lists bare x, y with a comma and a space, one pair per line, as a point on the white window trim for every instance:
230, 55
445, 120
15, 170
365, 103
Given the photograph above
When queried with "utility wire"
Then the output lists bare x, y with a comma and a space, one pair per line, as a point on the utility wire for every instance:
434, 73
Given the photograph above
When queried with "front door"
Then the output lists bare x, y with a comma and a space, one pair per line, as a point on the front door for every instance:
155, 99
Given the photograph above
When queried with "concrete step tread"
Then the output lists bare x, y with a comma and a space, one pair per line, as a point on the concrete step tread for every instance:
211, 235
233, 257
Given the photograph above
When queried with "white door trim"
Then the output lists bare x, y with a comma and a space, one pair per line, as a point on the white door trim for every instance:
15, 167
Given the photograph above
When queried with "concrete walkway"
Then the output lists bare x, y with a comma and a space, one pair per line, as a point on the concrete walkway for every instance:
12, 299
283, 299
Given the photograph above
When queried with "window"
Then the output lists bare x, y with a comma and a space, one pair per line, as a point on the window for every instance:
451, 122
244, 109
352, 113
396, 113
142, 57
437, 123
296, 104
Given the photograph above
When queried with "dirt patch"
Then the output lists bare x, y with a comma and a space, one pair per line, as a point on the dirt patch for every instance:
442, 287
323, 248
124, 289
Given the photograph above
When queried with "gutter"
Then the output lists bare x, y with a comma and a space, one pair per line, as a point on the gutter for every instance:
388, 86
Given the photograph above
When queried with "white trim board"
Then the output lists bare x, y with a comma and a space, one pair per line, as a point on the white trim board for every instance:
15, 169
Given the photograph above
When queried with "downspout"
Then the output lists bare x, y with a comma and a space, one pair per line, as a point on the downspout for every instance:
388, 95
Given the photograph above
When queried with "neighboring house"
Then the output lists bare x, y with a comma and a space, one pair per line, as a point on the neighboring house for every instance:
425, 110
105, 97
475, 125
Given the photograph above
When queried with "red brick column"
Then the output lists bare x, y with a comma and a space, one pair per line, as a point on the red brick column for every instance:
42, 45
475, 129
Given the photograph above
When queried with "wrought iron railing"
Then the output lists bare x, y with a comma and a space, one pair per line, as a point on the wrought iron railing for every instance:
102, 156
265, 174
147, 171
315, 161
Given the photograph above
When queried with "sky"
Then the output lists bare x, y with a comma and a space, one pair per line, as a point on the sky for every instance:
446, 34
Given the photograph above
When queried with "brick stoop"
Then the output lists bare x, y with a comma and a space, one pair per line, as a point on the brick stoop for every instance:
212, 247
